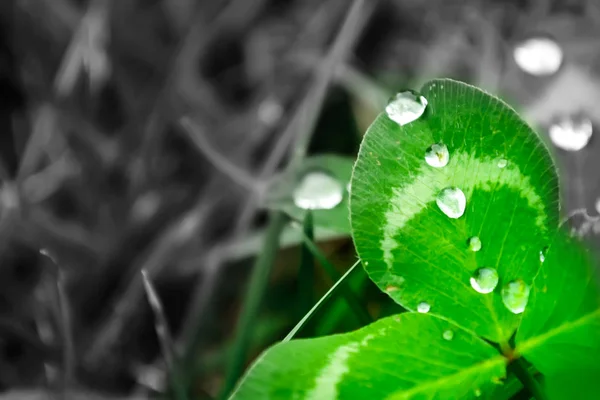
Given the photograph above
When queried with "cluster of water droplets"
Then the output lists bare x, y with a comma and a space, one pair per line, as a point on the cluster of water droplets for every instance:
318, 190
407, 107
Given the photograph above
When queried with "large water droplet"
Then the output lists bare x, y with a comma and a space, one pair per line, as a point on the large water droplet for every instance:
484, 280
406, 106
515, 296
318, 191
423, 307
571, 133
437, 155
474, 243
448, 335
540, 56
452, 202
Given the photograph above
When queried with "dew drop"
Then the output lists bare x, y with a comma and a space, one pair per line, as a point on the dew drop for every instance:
406, 106
423, 307
349, 187
502, 163
437, 155
539, 56
477, 392
515, 296
543, 254
598, 205
474, 243
318, 191
484, 280
571, 133
448, 335
452, 202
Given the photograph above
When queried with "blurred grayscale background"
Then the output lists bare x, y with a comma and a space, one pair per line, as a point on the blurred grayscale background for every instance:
140, 134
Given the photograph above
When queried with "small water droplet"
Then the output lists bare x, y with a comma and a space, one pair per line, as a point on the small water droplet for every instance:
406, 106
474, 243
448, 335
477, 392
598, 205
452, 202
484, 280
543, 254
571, 133
391, 288
437, 155
515, 296
539, 56
502, 163
318, 191
348, 187
423, 307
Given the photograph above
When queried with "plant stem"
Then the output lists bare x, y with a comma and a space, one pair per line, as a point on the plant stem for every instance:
258, 283
361, 314
306, 272
519, 368
320, 303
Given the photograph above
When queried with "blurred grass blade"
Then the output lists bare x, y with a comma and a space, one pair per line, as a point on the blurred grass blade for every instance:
258, 283
358, 309
164, 337
306, 273
321, 302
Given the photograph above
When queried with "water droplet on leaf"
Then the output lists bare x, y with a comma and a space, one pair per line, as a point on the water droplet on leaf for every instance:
474, 243
318, 191
502, 163
423, 307
571, 133
543, 254
540, 56
452, 202
448, 335
515, 296
437, 155
484, 280
477, 392
406, 106
391, 288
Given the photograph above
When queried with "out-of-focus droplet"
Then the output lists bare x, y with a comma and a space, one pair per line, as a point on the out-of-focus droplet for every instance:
423, 307
452, 202
502, 163
437, 155
539, 56
270, 112
318, 190
405, 107
571, 133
